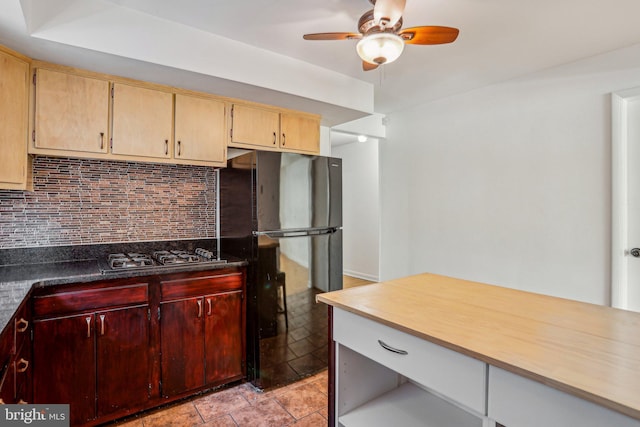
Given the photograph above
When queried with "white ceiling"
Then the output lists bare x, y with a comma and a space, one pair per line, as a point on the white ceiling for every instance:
258, 44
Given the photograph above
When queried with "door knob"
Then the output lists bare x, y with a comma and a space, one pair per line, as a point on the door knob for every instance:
635, 252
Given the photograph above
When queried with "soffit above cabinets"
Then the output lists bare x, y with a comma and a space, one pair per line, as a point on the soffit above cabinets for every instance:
255, 47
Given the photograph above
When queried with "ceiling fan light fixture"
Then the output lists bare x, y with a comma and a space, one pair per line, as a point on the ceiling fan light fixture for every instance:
380, 48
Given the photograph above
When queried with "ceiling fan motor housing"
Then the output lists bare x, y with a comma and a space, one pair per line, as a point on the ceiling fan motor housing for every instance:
367, 23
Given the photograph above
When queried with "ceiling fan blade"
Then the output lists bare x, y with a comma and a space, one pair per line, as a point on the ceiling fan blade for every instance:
367, 66
389, 9
429, 35
332, 36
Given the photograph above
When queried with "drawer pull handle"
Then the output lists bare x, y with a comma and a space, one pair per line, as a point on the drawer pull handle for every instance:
88, 320
22, 325
210, 306
391, 349
199, 308
102, 324
22, 365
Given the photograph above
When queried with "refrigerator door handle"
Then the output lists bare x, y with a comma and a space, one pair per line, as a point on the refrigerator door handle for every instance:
297, 232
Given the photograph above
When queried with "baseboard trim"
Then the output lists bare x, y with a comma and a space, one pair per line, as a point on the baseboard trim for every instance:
360, 275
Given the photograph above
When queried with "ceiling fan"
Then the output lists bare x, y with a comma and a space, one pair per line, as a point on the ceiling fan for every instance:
380, 39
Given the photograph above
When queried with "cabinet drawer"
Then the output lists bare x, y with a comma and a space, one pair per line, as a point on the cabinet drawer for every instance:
87, 298
516, 401
188, 287
451, 374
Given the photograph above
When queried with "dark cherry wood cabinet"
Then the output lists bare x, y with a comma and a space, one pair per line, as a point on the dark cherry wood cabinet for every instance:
223, 337
96, 360
202, 334
116, 347
122, 351
16, 365
64, 365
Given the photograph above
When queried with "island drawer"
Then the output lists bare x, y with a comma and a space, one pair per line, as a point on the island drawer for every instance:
516, 401
446, 372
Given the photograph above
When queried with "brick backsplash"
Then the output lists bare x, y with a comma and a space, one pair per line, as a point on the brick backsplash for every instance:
77, 201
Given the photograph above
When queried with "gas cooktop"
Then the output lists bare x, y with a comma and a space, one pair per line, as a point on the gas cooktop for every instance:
163, 258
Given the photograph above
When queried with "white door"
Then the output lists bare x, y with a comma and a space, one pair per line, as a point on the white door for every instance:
626, 200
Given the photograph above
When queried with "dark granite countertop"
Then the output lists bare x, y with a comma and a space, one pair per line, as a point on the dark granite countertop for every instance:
72, 264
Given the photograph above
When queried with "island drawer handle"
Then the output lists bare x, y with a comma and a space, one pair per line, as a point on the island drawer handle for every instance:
392, 349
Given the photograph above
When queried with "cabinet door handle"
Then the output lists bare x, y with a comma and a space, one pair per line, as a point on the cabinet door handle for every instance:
166, 147
179, 148
22, 325
210, 307
392, 349
274, 138
199, 308
101, 140
88, 320
102, 324
22, 365
284, 139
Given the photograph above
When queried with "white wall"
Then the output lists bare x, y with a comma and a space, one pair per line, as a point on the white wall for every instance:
509, 184
360, 208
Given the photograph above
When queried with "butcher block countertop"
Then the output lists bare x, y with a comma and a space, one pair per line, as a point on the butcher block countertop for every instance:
587, 350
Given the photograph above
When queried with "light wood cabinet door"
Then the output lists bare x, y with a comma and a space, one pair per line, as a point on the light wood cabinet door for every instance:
299, 133
200, 125
142, 122
14, 89
255, 126
71, 112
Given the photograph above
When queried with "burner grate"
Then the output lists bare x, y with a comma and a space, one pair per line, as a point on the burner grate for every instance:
129, 260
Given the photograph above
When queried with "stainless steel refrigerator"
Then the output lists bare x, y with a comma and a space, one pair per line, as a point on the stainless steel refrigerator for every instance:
283, 212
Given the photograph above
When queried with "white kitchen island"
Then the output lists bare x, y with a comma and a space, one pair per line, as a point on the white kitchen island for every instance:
430, 350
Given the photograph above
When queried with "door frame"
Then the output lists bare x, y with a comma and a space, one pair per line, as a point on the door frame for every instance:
619, 201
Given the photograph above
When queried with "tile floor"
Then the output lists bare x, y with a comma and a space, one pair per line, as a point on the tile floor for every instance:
303, 403
299, 351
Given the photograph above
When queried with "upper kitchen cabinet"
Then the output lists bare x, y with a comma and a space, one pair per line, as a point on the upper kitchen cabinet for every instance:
300, 132
142, 122
274, 129
254, 126
200, 130
71, 114
14, 110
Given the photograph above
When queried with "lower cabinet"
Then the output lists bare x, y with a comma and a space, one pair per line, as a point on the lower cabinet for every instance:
96, 361
202, 337
113, 348
16, 366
